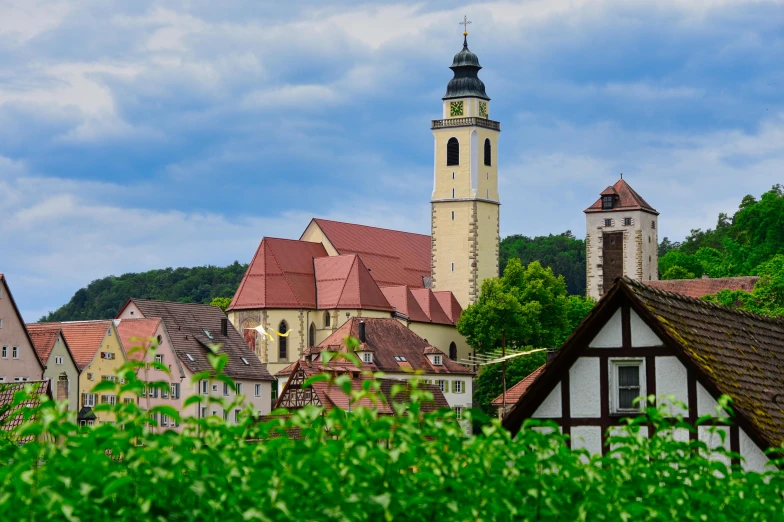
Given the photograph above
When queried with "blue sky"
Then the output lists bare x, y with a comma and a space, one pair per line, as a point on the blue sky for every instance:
146, 134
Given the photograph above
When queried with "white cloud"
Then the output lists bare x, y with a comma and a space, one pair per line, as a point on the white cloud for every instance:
23, 20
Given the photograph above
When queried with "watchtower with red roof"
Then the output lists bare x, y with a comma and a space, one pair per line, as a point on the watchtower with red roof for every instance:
621, 239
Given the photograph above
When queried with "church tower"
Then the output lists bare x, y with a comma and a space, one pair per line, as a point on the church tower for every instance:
465, 204
621, 239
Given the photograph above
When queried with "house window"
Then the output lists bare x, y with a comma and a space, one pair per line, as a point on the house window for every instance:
367, 357
282, 341
400, 358
653, 225
15, 352
628, 380
5, 352
458, 387
488, 151
608, 222
128, 401
326, 319
164, 419
89, 376
58, 359
453, 351
88, 400
627, 222
257, 390
1, 323
236, 416
20, 379
205, 387
160, 340
441, 386
312, 335
225, 389
175, 390
239, 388
607, 202
189, 356
159, 358
437, 360
452, 152
459, 412
245, 361
165, 393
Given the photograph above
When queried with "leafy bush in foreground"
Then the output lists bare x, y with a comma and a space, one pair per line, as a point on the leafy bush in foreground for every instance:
359, 466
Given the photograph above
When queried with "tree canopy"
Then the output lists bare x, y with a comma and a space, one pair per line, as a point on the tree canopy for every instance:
562, 252
767, 298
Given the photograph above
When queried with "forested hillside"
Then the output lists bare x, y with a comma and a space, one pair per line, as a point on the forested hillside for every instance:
103, 298
562, 252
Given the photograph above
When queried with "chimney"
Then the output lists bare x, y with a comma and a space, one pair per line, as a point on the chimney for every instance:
550, 355
225, 326
362, 335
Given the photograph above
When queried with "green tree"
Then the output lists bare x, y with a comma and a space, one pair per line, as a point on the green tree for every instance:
677, 272
562, 252
767, 298
221, 302
489, 382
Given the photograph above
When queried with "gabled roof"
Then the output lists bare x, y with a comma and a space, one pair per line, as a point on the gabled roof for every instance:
404, 302
344, 282
192, 327
514, 393
4, 283
627, 199
705, 285
330, 396
44, 337
388, 339
281, 275
15, 417
449, 305
730, 351
138, 328
393, 257
84, 339
430, 305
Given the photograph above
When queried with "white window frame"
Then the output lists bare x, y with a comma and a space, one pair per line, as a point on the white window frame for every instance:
205, 387
458, 412
15, 352
458, 386
238, 388
89, 400
367, 357
1, 323
58, 359
90, 376
257, 390
614, 398
159, 358
437, 361
164, 419
443, 385
226, 390
5, 352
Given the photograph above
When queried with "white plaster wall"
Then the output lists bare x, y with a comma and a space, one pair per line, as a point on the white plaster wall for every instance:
672, 379
587, 437
551, 406
620, 431
706, 404
642, 335
610, 335
713, 439
584, 395
754, 459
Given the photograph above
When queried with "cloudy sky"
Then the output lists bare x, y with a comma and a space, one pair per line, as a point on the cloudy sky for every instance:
147, 134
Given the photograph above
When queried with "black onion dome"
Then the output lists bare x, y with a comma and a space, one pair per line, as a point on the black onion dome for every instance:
466, 82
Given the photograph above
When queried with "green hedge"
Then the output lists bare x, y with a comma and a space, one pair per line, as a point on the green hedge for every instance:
358, 466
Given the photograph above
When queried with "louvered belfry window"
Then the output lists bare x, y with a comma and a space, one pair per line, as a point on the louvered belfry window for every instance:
628, 386
282, 341
452, 152
488, 152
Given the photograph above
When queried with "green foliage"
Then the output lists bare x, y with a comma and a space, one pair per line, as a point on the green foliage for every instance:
489, 382
103, 298
665, 245
677, 272
563, 253
221, 302
359, 466
767, 298
737, 246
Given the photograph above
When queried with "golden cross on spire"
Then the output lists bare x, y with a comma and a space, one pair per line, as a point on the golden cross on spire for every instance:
465, 23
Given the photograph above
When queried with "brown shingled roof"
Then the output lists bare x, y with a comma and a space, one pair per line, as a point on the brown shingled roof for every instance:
14, 417
705, 285
627, 199
514, 393
84, 338
43, 340
137, 332
188, 326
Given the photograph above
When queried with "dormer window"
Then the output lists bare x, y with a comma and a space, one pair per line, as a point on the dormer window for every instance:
607, 202
437, 360
367, 357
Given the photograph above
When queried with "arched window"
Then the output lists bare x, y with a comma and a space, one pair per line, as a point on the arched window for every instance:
453, 351
452, 152
283, 342
326, 319
488, 152
312, 335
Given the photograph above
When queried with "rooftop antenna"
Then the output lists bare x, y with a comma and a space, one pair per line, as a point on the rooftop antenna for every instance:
621, 175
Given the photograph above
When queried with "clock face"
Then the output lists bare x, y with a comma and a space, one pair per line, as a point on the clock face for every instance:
483, 109
456, 108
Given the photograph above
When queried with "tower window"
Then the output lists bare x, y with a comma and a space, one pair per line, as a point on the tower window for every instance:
608, 222
453, 175
607, 202
326, 318
488, 193
453, 267
453, 193
628, 222
653, 225
453, 351
488, 152
283, 341
452, 152
312, 335
453, 215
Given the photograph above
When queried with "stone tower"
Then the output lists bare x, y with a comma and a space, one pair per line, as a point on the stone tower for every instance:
621, 239
465, 203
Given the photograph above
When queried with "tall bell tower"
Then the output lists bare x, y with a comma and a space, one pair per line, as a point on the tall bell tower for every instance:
465, 204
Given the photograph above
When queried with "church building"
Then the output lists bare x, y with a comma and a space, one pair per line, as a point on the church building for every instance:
310, 287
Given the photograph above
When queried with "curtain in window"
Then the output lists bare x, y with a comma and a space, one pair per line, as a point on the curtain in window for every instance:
628, 386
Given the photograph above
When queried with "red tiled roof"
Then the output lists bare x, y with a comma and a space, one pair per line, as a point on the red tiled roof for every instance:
404, 302
704, 286
84, 338
15, 417
627, 199
280, 275
43, 339
387, 339
449, 304
393, 257
515, 392
4, 283
344, 282
430, 305
137, 332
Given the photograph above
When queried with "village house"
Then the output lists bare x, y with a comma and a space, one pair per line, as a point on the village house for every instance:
641, 341
187, 330
13, 417
19, 361
386, 345
59, 363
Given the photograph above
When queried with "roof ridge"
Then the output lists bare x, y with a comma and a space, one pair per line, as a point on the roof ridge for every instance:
369, 226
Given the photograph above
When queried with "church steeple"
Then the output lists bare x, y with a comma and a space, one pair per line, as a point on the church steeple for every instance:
465, 202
